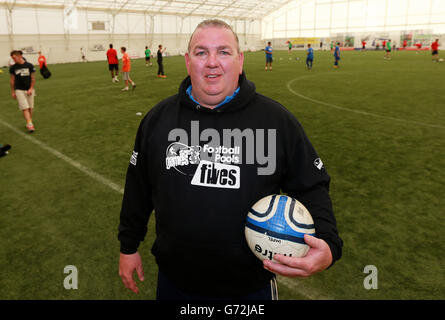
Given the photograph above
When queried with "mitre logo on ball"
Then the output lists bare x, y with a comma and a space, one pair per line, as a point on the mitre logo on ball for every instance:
277, 224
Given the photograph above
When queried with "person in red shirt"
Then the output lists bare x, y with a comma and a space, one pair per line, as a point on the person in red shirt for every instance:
41, 60
418, 46
44, 71
384, 44
113, 63
435, 50
126, 67
363, 45
404, 44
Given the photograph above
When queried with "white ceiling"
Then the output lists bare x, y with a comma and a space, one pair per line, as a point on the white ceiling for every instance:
235, 9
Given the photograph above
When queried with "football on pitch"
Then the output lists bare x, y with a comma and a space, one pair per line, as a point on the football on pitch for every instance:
277, 224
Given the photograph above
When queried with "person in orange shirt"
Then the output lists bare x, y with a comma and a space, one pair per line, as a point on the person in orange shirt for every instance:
44, 71
41, 60
126, 67
435, 50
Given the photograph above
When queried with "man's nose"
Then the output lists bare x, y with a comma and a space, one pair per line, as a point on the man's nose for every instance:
212, 60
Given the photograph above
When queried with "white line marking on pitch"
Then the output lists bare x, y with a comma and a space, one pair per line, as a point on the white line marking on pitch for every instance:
308, 293
65, 158
297, 285
353, 110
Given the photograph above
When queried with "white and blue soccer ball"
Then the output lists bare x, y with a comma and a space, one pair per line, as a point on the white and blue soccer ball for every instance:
277, 224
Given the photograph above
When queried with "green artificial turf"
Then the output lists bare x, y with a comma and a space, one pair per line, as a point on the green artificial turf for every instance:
378, 125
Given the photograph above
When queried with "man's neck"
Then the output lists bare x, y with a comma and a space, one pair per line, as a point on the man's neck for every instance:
203, 104
213, 106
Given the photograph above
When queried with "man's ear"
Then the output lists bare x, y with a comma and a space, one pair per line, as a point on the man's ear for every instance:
187, 62
241, 62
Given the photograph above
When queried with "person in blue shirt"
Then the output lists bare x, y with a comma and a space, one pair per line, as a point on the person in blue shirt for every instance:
337, 55
268, 51
310, 56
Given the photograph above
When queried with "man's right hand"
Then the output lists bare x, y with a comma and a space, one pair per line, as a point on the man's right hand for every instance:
13, 95
128, 263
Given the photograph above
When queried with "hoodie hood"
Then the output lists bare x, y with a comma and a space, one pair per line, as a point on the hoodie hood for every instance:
240, 101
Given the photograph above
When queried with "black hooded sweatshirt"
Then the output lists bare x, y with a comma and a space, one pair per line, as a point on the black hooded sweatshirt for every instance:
201, 199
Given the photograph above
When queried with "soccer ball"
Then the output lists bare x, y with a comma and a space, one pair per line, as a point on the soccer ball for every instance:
441, 60
277, 224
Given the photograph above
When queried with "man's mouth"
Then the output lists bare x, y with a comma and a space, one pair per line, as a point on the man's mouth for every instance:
212, 76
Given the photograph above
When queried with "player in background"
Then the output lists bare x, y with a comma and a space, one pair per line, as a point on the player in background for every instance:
290, 46
83, 55
22, 83
160, 62
384, 45
388, 50
147, 57
363, 45
310, 56
113, 63
337, 55
41, 60
43, 66
332, 46
435, 50
418, 46
405, 43
269, 59
126, 67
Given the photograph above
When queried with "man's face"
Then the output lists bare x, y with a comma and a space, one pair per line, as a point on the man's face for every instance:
214, 65
17, 58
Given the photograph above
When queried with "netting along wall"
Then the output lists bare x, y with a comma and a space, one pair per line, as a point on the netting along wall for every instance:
60, 37
324, 18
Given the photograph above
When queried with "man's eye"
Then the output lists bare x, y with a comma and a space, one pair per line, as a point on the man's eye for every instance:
200, 53
225, 52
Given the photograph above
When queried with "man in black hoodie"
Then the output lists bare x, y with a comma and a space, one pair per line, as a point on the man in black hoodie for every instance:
201, 159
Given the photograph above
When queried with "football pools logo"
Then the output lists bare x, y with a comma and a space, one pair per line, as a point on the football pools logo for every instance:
216, 163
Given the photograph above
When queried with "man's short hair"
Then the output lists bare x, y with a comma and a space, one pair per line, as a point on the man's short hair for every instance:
124, 49
16, 53
269, 43
111, 45
214, 23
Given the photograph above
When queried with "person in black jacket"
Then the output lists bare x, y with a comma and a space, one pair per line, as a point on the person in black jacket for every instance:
201, 159
160, 62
